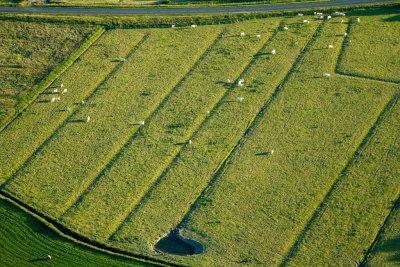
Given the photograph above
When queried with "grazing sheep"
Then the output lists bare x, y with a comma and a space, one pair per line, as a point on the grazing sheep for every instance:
228, 80
328, 17
48, 257
208, 112
306, 21
321, 17
345, 34
240, 98
55, 91
64, 91
285, 28
242, 34
87, 118
358, 19
300, 14
193, 25
53, 99
330, 46
190, 142
258, 36
339, 13
273, 51
326, 75
83, 102
61, 85
240, 82
272, 151
342, 21
141, 123
173, 26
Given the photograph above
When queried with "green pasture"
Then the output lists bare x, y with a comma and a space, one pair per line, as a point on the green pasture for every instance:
150, 130
28, 51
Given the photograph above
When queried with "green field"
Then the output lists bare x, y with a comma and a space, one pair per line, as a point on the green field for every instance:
299, 166
28, 51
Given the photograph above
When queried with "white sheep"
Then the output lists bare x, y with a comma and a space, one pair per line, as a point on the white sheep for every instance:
240, 82
285, 28
330, 46
321, 17
190, 142
306, 21
342, 21
83, 102
328, 17
300, 14
208, 112
242, 34
61, 85
141, 123
64, 91
87, 118
173, 26
193, 25
258, 36
53, 99
240, 98
326, 75
358, 19
345, 34
55, 91
273, 51
272, 151
48, 257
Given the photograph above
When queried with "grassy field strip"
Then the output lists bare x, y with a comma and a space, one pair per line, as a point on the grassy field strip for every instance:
165, 133
29, 130
343, 238
281, 191
385, 249
369, 54
66, 166
194, 168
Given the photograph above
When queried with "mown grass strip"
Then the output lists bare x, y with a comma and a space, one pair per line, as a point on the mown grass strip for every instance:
66, 166
138, 133
324, 207
42, 118
165, 133
27, 99
275, 181
194, 167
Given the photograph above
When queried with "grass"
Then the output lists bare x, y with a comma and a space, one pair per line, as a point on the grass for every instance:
105, 108
26, 241
375, 39
386, 250
30, 131
28, 52
190, 172
167, 131
293, 168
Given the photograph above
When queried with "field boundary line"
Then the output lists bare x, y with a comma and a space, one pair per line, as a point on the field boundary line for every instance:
176, 158
54, 74
108, 166
378, 236
93, 94
339, 69
343, 174
254, 123
73, 236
